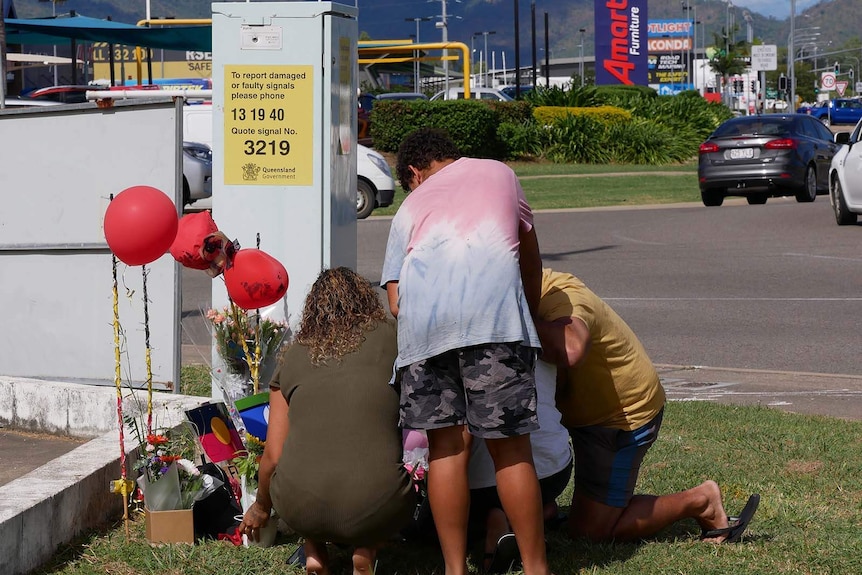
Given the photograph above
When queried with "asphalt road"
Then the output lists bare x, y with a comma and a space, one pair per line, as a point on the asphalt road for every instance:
738, 302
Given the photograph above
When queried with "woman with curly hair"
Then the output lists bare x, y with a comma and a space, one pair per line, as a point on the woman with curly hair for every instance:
337, 475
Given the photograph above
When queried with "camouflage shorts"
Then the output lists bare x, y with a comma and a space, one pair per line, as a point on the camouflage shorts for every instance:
490, 388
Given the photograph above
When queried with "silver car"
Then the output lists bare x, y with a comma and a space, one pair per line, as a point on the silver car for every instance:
197, 172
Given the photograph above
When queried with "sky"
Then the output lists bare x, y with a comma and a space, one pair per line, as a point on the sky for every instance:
777, 8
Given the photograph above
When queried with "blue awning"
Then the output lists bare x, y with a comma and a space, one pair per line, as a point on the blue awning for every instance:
60, 30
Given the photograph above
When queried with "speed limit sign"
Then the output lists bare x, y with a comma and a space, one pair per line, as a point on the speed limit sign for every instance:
827, 81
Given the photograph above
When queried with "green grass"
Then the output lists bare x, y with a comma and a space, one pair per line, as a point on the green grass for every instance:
196, 380
805, 467
559, 186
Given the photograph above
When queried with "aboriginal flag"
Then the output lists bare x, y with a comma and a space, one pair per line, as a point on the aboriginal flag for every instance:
216, 432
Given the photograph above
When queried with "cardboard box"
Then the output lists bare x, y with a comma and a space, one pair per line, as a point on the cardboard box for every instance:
170, 526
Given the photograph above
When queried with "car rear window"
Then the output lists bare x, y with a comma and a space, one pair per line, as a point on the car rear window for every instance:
755, 126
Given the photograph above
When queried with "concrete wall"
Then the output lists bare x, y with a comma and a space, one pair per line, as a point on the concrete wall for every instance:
51, 505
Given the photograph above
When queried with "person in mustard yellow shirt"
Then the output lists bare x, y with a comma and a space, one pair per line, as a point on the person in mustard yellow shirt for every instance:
612, 402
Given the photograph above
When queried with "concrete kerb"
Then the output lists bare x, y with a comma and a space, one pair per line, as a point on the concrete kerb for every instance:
51, 505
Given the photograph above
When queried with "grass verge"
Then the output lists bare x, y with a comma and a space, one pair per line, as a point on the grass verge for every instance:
558, 186
805, 467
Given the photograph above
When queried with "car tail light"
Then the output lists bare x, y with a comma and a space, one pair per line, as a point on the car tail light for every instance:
708, 148
782, 144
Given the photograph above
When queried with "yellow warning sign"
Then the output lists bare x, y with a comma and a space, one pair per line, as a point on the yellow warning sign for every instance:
268, 125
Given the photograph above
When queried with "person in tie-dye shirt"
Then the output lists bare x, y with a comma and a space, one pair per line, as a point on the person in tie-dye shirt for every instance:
463, 276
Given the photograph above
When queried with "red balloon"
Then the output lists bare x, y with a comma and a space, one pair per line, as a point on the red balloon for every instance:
140, 225
255, 279
192, 232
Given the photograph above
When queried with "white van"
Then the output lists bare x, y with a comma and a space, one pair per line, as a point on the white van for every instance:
198, 123
457, 93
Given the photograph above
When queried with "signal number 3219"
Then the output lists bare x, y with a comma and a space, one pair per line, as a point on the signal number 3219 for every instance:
266, 147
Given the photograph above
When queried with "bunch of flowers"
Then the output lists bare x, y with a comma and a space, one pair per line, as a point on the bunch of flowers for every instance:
248, 465
168, 477
243, 340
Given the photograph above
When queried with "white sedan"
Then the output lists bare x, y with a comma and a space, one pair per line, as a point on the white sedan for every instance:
845, 177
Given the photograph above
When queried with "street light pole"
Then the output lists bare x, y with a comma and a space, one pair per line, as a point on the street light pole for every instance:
533, 29
443, 24
416, 78
547, 55
517, 53
483, 71
688, 65
581, 63
486, 33
698, 77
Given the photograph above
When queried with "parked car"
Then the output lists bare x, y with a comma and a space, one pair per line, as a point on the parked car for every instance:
401, 96
837, 111
375, 187
758, 157
457, 93
197, 172
510, 90
845, 177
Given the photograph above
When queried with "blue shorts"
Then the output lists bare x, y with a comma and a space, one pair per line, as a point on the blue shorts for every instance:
491, 388
608, 461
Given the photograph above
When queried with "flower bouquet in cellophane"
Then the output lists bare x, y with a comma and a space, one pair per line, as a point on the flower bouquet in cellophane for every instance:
168, 477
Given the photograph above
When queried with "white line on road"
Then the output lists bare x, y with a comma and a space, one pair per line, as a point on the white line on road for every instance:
824, 257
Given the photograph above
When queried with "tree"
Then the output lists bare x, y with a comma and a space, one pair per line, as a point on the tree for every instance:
727, 58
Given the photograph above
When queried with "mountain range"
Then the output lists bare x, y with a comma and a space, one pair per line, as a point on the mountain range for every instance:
833, 24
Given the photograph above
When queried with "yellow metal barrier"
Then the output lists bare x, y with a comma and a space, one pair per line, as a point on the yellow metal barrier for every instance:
465, 54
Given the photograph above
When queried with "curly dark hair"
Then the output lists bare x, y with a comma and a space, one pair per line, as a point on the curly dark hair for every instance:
420, 148
340, 307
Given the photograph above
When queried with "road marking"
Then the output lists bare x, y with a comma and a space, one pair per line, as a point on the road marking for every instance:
635, 241
824, 257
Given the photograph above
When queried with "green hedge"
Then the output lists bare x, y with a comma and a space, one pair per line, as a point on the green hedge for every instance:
605, 124
548, 115
472, 124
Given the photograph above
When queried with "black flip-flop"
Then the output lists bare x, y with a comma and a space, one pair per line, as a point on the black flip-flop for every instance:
738, 525
505, 555
556, 521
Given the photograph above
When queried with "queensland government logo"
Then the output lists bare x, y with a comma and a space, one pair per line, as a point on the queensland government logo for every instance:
250, 172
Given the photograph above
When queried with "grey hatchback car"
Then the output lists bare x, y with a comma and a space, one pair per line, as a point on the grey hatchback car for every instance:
765, 156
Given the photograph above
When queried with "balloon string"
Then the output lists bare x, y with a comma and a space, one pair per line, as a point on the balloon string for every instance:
147, 355
257, 359
118, 383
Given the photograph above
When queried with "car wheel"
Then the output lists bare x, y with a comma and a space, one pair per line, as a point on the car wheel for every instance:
756, 199
825, 120
712, 197
187, 195
364, 199
843, 216
808, 192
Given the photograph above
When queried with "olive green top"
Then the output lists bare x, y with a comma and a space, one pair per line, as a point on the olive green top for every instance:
340, 477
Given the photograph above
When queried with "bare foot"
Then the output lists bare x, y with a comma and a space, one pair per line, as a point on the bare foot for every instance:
713, 515
363, 560
316, 558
